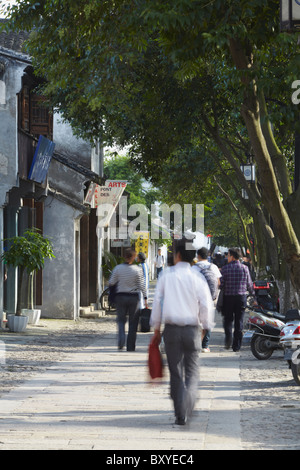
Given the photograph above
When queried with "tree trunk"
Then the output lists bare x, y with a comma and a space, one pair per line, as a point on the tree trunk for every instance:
250, 112
30, 302
19, 294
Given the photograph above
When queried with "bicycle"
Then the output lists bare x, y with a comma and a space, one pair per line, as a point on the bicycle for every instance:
105, 304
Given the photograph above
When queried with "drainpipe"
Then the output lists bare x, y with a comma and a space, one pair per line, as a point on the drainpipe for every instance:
100, 235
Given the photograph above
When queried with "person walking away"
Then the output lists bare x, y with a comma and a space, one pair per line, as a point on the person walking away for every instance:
182, 302
218, 260
212, 275
129, 281
235, 281
141, 259
248, 262
159, 263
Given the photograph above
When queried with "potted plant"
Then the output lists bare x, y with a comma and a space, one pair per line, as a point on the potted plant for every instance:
26, 252
32, 313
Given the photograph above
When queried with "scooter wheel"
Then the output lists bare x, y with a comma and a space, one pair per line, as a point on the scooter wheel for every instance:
259, 348
296, 372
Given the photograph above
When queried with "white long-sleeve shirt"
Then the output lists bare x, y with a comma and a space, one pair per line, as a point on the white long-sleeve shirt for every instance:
182, 297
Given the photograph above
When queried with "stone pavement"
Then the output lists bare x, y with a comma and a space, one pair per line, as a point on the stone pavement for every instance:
101, 398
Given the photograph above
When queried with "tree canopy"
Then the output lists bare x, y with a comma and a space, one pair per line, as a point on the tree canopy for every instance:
165, 77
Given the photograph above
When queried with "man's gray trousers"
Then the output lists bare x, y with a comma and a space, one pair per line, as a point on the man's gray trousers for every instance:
182, 346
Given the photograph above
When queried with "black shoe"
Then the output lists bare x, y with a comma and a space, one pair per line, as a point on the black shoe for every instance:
180, 421
227, 344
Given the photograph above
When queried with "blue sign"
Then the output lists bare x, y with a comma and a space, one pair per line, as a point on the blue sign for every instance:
41, 160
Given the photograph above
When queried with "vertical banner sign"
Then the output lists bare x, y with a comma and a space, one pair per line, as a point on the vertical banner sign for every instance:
106, 199
41, 160
90, 194
142, 242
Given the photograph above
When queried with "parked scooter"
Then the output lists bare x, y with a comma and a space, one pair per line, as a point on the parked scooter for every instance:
263, 295
290, 341
264, 329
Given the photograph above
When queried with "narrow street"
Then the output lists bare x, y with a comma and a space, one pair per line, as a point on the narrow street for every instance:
92, 396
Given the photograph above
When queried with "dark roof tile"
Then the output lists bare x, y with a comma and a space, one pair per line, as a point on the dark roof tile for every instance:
12, 40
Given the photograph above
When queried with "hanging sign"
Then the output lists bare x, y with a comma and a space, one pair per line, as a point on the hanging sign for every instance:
142, 242
106, 199
41, 160
90, 194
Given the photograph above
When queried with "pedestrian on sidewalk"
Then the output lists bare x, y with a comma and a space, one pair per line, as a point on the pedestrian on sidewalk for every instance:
141, 259
128, 279
235, 281
159, 263
182, 301
212, 275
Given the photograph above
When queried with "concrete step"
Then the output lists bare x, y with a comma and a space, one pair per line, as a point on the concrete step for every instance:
90, 312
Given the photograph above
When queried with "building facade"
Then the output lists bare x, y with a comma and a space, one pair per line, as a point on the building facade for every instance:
54, 205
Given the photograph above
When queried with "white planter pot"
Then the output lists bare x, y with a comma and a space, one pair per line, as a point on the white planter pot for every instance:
16, 323
33, 315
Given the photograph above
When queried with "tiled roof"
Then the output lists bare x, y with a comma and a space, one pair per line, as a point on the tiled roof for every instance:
11, 40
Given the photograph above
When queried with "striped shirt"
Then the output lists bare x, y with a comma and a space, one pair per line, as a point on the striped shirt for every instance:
236, 279
129, 279
145, 270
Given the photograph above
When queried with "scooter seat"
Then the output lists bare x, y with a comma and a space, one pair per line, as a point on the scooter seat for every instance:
292, 315
272, 313
279, 316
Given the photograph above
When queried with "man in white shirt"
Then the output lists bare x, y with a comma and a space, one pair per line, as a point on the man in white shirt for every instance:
159, 263
183, 302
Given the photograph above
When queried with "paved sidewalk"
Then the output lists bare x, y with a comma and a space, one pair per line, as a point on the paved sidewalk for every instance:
101, 398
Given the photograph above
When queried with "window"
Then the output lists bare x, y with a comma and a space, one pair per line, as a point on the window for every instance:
35, 117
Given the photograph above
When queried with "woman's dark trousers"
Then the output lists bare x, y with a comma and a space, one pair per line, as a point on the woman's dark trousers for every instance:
127, 306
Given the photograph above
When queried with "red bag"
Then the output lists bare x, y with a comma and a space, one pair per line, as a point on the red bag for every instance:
155, 363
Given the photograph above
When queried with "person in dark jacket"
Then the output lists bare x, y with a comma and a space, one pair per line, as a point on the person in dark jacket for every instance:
235, 281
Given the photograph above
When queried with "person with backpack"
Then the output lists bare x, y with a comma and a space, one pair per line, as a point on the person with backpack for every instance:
212, 275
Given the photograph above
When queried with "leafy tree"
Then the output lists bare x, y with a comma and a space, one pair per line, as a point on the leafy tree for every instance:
106, 65
120, 167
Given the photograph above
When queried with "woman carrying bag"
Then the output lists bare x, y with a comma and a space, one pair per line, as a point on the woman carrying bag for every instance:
129, 281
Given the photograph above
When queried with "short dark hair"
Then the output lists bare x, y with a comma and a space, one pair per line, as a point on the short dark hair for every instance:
235, 252
142, 257
129, 253
186, 255
203, 252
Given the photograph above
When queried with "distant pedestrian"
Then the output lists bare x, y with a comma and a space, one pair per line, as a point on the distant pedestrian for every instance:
182, 301
218, 260
235, 281
212, 275
248, 262
141, 259
129, 282
159, 263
